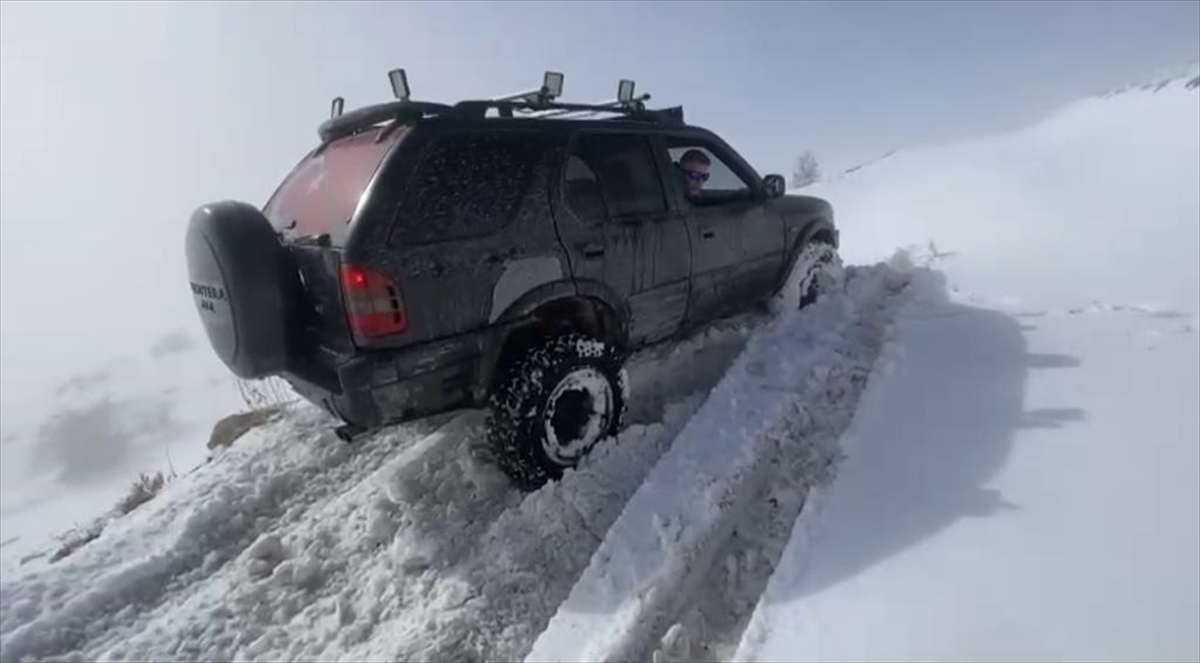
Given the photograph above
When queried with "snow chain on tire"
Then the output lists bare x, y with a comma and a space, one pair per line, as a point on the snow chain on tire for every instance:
521, 409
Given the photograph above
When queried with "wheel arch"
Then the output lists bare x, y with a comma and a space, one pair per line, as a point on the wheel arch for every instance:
819, 228
554, 308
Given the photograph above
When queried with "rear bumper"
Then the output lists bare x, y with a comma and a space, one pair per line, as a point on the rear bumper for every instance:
378, 388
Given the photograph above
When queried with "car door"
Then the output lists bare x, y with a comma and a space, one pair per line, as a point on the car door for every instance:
737, 246
616, 224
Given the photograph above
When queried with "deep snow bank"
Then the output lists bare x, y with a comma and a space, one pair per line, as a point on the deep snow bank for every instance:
1025, 482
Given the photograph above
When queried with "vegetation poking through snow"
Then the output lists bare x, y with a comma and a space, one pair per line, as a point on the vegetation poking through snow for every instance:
143, 490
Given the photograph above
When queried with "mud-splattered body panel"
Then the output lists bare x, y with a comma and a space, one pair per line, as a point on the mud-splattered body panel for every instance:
484, 226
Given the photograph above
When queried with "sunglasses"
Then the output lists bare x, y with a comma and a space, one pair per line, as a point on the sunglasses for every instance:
695, 176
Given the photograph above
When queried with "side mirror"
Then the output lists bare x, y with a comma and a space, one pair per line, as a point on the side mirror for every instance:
774, 185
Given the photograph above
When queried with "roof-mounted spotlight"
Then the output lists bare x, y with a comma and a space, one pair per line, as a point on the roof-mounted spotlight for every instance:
552, 85
399, 81
624, 91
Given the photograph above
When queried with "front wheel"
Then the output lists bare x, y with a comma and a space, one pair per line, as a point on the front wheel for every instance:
816, 273
553, 405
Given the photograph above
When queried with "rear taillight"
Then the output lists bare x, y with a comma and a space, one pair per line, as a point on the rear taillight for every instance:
373, 304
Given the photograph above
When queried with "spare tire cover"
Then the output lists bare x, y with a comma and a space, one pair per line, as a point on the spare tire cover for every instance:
240, 283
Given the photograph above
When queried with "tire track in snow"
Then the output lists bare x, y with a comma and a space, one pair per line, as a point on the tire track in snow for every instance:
804, 453
492, 605
310, 549
794, 386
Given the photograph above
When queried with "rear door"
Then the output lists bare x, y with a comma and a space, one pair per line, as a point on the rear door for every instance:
737, 247
616, 224
313, 209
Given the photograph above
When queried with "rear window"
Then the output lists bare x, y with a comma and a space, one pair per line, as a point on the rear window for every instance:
321, 194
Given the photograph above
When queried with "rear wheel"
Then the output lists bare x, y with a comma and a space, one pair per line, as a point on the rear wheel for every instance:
552, 405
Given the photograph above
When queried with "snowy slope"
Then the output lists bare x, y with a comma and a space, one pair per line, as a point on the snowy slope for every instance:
1023, 474
1019, 481
293, 545
74, 452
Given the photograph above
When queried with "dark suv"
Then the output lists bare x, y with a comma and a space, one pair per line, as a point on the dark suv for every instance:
507, 253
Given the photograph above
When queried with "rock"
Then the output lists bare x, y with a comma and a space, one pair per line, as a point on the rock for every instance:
228, 430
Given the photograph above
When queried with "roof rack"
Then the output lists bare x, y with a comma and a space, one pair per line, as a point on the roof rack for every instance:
529, 106
538, 103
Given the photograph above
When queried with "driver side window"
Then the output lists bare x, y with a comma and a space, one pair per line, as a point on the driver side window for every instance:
724, 183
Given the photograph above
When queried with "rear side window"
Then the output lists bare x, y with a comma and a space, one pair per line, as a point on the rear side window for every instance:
466, 185
321, 194
623, 165
582, 190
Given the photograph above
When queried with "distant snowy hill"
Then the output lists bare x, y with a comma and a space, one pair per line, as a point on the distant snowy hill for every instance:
1023, 474
1187, 74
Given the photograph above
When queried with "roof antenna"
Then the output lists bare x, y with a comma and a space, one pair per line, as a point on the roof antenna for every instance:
336, 106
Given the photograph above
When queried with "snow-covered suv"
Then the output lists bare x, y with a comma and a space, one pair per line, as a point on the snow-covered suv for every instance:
502, 253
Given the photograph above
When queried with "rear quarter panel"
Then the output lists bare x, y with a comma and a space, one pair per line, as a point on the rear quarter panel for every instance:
454, 282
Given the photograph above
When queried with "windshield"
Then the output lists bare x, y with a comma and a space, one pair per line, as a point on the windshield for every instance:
322, 192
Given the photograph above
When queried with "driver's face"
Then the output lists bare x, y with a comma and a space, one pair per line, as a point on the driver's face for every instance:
695, 174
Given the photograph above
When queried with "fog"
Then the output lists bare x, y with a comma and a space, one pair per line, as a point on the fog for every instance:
117, 120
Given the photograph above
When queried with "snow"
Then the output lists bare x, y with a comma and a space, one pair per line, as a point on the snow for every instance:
293, 545
756, 417
75, 455
1022, 478
986, 447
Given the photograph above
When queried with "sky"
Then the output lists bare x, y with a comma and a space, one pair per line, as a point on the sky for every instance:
117, 120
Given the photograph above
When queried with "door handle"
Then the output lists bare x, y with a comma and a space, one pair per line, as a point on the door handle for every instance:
593, 250
708, 234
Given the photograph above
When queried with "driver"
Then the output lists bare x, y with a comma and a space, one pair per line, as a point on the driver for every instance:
694, 165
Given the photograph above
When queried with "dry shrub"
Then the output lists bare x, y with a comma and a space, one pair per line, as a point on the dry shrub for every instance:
142, 491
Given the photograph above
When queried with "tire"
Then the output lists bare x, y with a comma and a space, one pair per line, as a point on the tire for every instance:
818, 272
243, 286
552, 406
